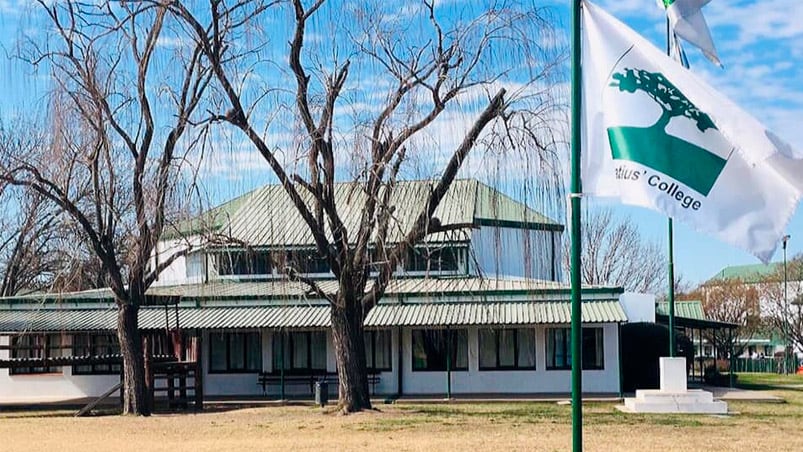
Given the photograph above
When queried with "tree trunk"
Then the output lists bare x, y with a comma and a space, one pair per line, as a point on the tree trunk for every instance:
135, 395
349, 341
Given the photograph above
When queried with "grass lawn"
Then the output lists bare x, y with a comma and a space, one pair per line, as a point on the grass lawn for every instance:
432, 427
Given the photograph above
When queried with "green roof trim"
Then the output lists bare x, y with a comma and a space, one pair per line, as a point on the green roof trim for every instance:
282, 289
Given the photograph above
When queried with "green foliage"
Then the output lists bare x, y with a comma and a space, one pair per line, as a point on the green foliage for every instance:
664, 93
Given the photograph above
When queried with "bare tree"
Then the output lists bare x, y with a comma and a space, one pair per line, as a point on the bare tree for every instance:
27, 241
112, 154
732, 301
615, 253
783, 310
410, 65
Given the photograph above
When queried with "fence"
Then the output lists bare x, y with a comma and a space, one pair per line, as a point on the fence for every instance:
767, 364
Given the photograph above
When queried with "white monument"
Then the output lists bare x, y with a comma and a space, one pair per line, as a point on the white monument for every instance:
674, 396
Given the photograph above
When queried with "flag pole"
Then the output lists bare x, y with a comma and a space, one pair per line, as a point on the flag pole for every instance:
671, 231
671, 290
576, 190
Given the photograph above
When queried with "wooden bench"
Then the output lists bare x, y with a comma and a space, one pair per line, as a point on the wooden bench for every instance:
266, 379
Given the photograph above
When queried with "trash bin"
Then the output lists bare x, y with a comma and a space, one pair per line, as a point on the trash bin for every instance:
321, 392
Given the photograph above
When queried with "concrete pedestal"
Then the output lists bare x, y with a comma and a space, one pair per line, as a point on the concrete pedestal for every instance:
673, 397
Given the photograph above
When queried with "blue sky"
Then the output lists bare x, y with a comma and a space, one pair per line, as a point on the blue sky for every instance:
760, 44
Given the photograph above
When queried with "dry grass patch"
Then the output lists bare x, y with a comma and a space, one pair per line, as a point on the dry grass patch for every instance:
506, 426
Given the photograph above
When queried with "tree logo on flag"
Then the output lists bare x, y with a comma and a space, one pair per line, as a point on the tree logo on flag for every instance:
652, 146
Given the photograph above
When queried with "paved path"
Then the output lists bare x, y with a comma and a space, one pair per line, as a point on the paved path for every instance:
743, 395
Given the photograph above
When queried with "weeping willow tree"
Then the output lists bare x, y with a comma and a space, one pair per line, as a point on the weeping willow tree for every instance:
373, 92
110, 151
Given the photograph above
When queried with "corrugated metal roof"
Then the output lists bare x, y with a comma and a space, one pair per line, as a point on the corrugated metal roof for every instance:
748, 273
154, 318
295, 292
58, 320
686, 309
527, 313
267, 217
314, 316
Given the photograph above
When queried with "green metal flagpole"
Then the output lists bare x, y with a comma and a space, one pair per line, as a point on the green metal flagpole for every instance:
671, 291
576, 190
671, 232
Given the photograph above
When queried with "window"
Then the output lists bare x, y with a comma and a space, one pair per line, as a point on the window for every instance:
301, 352
242, 262
307, 261
432, 260
433, 348
559, 353
592, 348
90, 344
235, 352
36, 346
507, 349
378, 350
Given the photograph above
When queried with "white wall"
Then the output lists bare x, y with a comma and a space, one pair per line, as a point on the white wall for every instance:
639, 307
501, 252
184, 270
539, 380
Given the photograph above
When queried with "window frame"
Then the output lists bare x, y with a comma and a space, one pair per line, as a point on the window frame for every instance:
567, 340
249, 263
434, 254
228, 335
288, 350
95, 369
516, 356
46, 350
452, 337
371, 366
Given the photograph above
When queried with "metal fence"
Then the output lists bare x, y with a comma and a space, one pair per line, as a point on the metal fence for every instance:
767, 364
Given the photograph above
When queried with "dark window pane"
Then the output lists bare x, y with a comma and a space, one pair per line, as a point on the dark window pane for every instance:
318, 350
432, 348
592, 348
432, 259
236, 351
558, 350
253, 352
382, 350
217, 352
487, 349
429, 350
281, 351
369, 349
459, 351
507, 348
526, 343
300, 344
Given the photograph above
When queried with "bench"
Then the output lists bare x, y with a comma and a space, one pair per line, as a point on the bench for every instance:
266, 379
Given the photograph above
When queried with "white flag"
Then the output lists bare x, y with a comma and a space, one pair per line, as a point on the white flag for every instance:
687, 21
656, 136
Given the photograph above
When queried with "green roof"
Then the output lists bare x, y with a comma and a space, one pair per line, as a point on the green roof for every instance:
748, 273
284, 290
267, 216
685, 309
210, 221
315, 316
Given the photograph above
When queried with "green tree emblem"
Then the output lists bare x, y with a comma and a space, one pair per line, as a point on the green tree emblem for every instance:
652, 146
665, 94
